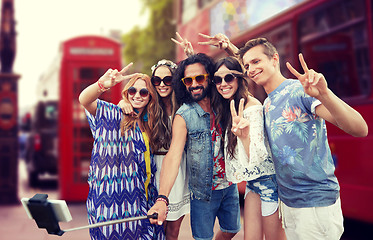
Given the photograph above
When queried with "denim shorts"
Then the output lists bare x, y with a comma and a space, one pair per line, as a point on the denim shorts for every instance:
266, 188
224, 205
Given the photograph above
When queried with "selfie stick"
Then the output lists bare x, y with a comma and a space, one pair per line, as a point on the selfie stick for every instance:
48, 213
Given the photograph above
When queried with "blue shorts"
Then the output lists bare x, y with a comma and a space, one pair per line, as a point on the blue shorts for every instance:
224, 205
266, 187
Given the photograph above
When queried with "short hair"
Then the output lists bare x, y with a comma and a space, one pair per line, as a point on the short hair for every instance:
268, 47
182, 94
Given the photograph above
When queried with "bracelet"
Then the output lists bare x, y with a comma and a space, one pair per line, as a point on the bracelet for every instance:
163, 198
102, 88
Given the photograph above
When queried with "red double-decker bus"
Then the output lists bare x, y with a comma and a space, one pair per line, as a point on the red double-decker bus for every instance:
80, 62
336, 38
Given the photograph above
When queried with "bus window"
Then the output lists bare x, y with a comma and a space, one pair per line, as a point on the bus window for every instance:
281, 38
335, 42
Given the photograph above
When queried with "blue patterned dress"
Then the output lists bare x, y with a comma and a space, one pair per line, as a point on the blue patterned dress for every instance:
116, 178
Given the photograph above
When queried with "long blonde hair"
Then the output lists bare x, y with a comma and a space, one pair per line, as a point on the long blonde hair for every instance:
150, 112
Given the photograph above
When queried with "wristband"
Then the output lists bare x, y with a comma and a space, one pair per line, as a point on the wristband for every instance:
102, 88
163, 198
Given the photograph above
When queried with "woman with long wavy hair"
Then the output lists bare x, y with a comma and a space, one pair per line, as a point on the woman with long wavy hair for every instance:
179, 206
121, 174
247, 155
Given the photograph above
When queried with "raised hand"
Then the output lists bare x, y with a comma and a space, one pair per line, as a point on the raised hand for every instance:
240, 125
219, 40
184, 44
112, 77
314, 84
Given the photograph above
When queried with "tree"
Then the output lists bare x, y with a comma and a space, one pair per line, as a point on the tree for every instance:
144, 47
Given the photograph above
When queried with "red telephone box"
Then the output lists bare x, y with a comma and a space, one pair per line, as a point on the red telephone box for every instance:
83, 61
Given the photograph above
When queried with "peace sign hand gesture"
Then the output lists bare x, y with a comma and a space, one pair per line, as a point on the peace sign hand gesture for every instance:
240, 125
184, 44
113, 77
314, 84
219, 40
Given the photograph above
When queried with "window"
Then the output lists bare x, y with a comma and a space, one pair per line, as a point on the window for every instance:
334, 40
203, 3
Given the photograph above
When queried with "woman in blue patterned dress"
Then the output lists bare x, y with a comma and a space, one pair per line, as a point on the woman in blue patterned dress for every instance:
121, 175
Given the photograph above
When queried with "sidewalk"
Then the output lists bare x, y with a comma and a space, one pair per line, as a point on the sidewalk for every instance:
15, 224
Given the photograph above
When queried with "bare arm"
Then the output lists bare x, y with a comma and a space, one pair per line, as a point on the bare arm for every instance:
333, 109
241, 125
170, 167
339, 113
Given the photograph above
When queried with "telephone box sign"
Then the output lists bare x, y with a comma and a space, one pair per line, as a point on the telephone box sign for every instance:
91, 51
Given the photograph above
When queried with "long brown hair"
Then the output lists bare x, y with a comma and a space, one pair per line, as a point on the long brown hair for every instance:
222, 105
163, 122
150, 112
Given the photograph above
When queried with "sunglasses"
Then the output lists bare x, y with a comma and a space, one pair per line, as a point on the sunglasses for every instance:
200, 79
227, 78
156, 81
143, 91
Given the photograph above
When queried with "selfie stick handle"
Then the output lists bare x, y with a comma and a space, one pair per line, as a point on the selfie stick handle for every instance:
154, 216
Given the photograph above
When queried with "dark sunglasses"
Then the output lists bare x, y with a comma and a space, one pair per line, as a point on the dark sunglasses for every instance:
200, 79
143, 91
227, 78
156, 81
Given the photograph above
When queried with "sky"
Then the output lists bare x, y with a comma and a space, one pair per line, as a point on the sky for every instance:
41, 26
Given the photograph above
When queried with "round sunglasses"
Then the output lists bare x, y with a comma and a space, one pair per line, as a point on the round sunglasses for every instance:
227, 78
143, 91
167, 80
200, 79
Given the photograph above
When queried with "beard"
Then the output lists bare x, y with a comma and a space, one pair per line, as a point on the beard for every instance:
198, 97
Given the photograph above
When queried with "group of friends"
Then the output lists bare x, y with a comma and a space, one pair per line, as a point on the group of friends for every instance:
180, 141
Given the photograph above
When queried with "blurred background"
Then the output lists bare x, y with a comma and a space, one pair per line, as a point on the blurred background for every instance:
51, 50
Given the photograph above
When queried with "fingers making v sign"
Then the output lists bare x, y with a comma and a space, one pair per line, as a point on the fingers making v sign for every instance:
113, 77
314, 83
219, 40
184, 44
240, 125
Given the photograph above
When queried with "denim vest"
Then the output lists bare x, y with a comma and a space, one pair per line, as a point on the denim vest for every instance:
199, 155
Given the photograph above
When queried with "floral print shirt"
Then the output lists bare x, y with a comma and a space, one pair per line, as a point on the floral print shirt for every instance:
301, 154
219, 180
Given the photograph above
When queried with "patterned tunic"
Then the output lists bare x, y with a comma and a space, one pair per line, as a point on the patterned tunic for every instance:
116, 178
